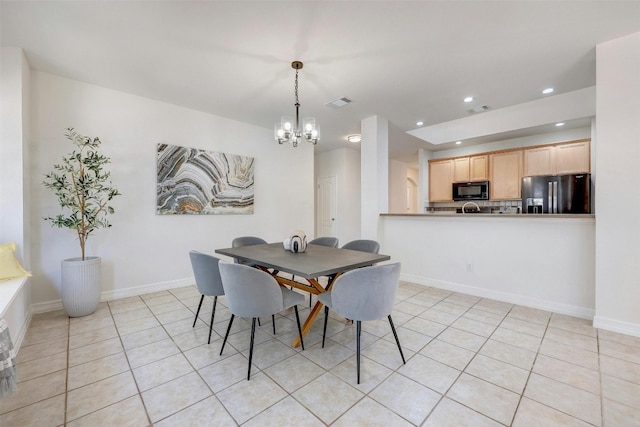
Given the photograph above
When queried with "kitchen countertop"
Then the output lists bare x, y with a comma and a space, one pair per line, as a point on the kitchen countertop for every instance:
491, 215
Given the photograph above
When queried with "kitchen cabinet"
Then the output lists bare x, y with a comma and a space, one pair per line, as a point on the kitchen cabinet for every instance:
479, 168
557, 159
440, 180
474, 168
505, 175
540, 161
573, 158
461, 169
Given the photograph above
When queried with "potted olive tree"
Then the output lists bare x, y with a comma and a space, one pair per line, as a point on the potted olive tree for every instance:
84, 193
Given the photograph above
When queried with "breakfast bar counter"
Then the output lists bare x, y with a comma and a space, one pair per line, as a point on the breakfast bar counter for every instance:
544, 261
490, 215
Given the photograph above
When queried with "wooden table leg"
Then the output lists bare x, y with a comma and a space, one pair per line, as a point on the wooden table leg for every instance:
314, 311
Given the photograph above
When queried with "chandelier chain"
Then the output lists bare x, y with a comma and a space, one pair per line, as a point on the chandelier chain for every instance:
296, 88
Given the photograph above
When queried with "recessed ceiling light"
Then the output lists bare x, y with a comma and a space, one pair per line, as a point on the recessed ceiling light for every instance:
354, 138
547, 90
560, 124
468, 99
458, 142
420, 123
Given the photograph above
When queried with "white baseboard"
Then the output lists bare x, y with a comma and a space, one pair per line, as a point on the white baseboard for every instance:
569, 310
146, 289
616, 326
47, 306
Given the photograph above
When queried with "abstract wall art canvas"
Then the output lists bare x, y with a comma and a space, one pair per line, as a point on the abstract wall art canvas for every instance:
193, 181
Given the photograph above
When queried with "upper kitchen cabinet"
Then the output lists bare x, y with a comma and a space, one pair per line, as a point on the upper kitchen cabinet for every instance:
540, 161
474, 168
479, 168
440, 180
557, 159
573, 158
461, 169
505, 170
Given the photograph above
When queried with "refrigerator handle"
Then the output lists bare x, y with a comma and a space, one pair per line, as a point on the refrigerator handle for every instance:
555, 197
550, 198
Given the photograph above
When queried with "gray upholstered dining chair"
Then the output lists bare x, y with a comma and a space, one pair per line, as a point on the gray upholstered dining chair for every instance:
246, 241
325, 241
250, 241
251, 292
208, 281
363, 245
366, 293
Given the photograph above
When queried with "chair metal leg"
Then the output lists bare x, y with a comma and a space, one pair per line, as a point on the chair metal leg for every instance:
259, 322
324, 330
273, 320
198, 311
310, 296
358, 329
227, 334
393, 328
253, 334
213, 313
295, 307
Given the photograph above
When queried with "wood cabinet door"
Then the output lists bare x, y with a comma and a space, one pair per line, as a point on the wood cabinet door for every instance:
540, 161
461, 169
479, 168
505, 175
440, 180
573, 158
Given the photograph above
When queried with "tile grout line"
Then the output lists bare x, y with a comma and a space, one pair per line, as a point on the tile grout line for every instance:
66, 379
124, 350
533, 363
196, 371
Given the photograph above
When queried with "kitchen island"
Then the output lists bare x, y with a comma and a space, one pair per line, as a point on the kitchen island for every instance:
541, 261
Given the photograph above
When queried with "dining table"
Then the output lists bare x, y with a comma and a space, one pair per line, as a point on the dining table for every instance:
315, 262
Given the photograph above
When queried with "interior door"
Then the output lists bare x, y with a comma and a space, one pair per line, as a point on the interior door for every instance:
327, 206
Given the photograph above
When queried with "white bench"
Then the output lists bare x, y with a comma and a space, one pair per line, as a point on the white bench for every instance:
14, 307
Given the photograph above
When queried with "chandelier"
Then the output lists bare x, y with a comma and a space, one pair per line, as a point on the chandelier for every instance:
289, 130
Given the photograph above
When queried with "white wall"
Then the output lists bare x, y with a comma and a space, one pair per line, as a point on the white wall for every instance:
547, 263
414, 175
142, 248
14, 180
14, 132
397, 186
374, 183
618, 202
345, 165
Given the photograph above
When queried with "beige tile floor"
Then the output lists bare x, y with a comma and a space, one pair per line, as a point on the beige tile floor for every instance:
470, 362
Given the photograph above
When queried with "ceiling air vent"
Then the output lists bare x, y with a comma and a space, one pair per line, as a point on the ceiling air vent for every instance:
479, 109
338, 103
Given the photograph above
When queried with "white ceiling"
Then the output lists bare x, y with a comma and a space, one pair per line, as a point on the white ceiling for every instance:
401, 60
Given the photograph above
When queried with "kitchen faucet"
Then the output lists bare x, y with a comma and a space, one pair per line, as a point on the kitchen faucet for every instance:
470, 203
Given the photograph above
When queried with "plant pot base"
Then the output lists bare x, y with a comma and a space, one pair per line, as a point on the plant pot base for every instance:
81, 286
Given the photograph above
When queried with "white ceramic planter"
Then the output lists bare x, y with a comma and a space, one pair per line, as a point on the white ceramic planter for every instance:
80, 285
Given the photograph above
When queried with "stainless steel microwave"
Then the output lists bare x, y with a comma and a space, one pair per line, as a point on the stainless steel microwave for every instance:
471, 190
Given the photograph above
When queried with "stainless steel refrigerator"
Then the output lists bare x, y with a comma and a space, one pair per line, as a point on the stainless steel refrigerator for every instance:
567, 194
